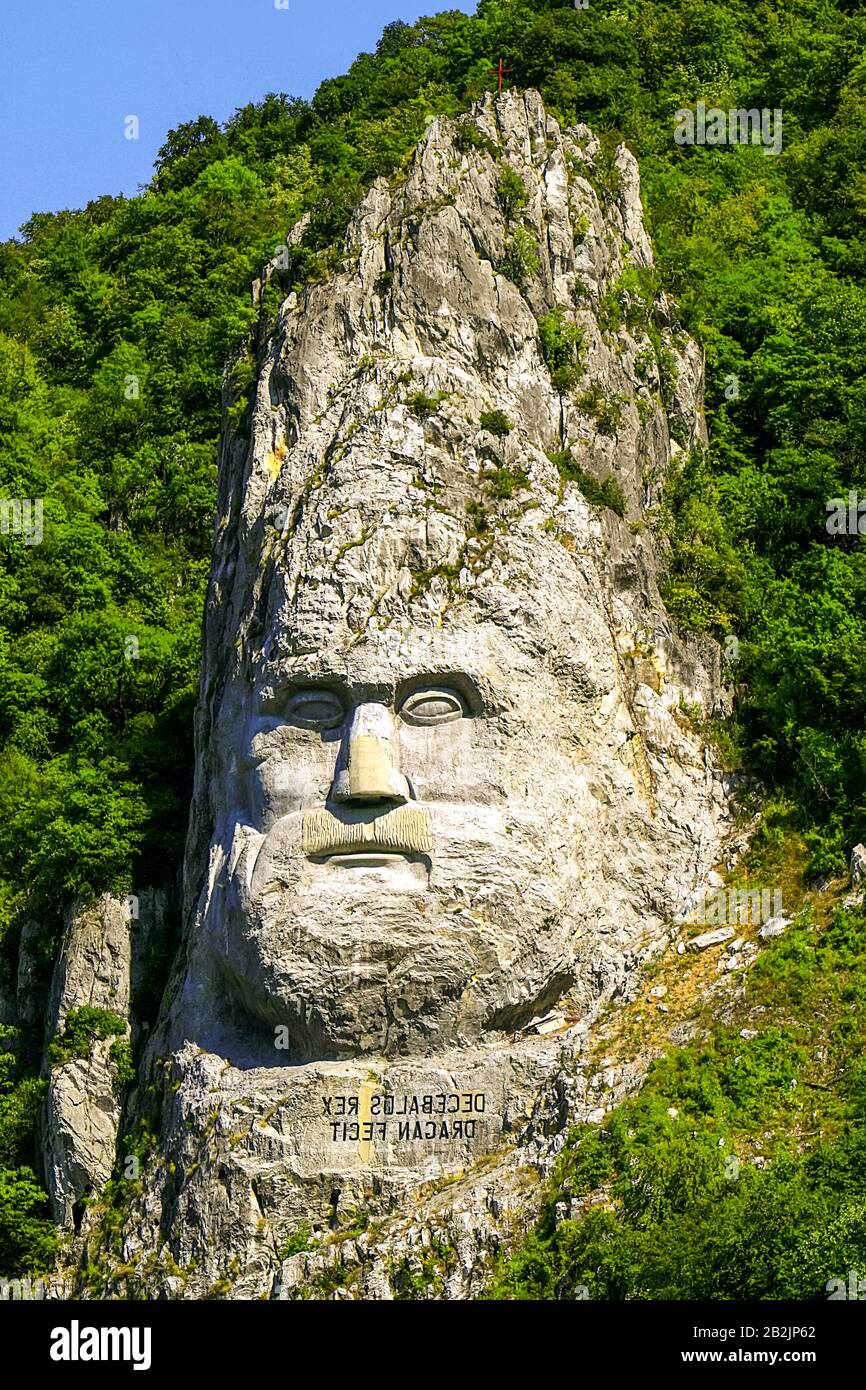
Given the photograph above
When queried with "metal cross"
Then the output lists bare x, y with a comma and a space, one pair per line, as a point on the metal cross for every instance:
500, 72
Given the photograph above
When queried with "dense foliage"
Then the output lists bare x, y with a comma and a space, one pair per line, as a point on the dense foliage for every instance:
738, 1172
116, 322
27, 1236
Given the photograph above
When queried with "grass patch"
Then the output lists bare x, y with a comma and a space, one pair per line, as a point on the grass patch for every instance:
81, 1030
495, 422
604, 493
560, 341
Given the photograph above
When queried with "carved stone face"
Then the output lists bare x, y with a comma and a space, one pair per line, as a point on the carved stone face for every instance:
438, 794
404, 858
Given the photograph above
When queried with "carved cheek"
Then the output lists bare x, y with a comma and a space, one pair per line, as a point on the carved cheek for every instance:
440, 761
292, 780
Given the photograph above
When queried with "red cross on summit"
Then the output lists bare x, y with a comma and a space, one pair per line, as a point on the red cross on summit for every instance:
500, 72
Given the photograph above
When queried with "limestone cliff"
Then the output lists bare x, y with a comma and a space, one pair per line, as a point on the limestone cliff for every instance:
88, 1024
426, 637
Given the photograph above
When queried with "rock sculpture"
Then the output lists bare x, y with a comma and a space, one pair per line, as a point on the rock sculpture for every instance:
445, 797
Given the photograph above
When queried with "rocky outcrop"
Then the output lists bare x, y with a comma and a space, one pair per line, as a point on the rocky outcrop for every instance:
82, 1112
447, 799
107, 968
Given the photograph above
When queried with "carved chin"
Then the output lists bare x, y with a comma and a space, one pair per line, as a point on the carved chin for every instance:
386, 972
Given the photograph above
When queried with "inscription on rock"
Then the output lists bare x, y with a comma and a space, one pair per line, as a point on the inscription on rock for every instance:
428, 1115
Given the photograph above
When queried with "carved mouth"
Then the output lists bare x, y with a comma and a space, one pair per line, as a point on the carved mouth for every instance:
404, 830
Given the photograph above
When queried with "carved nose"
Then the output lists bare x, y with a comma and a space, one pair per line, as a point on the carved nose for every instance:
369, 768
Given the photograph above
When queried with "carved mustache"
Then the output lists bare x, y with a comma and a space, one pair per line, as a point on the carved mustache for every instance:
404, 830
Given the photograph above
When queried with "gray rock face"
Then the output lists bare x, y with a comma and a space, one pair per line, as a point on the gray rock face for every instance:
82, 1113
776, 926
710, 938
444, 790
93, 966
105, 957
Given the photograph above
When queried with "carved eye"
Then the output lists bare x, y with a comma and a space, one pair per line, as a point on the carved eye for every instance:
315, 709
433, 706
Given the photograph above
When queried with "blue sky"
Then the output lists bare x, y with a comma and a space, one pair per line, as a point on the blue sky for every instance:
71, 71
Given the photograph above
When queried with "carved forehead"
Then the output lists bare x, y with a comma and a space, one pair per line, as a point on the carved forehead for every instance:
419, 574
381, 664
488, 626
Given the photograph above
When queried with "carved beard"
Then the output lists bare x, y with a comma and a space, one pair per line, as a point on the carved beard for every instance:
406, 953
